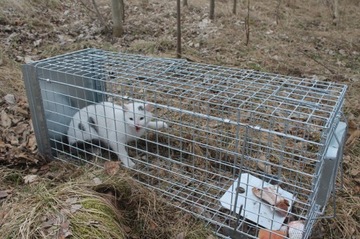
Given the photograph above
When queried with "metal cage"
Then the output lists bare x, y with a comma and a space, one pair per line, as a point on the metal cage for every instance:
231, 130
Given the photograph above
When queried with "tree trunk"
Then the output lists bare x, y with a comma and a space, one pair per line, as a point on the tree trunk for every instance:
212, 9
234, 6
117, 17
185, 3
145, 3
178, 18
247, 24
336, 12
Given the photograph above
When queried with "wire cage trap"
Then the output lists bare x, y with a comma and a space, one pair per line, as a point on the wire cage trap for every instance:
246, 151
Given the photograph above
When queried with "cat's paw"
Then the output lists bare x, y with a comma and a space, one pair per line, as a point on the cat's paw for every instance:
128, 163
158, 125
163, 124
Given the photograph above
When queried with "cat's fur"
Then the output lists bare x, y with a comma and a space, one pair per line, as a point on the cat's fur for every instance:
112, 124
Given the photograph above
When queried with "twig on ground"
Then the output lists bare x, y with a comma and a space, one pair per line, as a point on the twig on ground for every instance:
277, 12
320, 63
99, 15
87, 8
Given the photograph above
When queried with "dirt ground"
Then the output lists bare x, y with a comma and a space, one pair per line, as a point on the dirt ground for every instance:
291, 37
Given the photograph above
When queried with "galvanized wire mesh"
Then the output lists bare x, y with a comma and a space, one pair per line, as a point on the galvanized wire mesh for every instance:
225, 122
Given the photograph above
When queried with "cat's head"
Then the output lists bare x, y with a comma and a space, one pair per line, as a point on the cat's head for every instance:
137, 115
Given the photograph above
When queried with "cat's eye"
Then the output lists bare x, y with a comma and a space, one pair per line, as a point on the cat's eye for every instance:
131, 119
141, 118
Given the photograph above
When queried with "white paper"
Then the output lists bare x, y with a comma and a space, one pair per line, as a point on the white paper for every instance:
254, 208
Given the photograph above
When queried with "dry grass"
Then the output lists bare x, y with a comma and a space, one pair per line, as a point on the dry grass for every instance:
298, 38
93, 205
10, 73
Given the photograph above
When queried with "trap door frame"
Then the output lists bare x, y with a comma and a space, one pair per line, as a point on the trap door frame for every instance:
82, 90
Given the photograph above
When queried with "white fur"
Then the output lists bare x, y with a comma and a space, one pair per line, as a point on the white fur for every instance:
114, 125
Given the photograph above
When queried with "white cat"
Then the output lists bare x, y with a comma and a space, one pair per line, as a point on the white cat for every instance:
112, 124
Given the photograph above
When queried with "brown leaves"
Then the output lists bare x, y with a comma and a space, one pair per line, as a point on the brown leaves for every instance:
4, 194
353, 138
271, 196
74, 204
31, 178
112, 167
353, 131
5, 120
57, 225
17, 140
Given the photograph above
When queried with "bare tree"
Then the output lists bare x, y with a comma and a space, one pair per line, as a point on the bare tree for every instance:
118, 10
98, 14
247, 23
178, 18
234, 6
336, 12
212, 9
145, 3
277, 12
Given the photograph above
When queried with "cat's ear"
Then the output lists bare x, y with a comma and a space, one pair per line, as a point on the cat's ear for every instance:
148, 107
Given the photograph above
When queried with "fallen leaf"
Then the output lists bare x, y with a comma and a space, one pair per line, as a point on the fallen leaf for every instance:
354, 172
49, 223
37, 43
263, 164
181, 235
28, 59
64, 211
153, 225
5, 120
112, 167
271, 196
45, 167
30, 178
354, 136
25, 156
97, 181
71, 200
19, 58
3, 194
21, 112
14, 140
10, 99
3, 215
20, 128
34, 170
75, 207
65, 230
126, 228
31, 144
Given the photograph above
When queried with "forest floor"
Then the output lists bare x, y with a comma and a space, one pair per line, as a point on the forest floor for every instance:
295, 38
